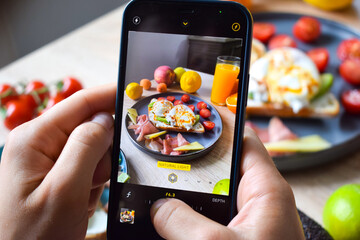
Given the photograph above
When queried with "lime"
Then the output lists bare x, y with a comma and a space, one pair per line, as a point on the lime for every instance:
134, 90
179, 71
222, 187
341, 214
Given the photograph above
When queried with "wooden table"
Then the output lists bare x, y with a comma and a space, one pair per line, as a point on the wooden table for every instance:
91, 54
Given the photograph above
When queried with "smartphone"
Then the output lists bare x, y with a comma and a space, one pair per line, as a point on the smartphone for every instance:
182, 137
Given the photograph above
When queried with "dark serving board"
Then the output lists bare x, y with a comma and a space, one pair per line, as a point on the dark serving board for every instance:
343, 131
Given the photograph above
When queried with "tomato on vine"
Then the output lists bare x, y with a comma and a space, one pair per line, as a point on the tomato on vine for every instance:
7, 93
69, 86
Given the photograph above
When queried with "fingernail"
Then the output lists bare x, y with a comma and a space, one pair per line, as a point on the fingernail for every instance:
104, 119
155, 207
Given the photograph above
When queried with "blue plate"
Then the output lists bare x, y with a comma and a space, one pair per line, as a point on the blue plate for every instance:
207, 139
342, 131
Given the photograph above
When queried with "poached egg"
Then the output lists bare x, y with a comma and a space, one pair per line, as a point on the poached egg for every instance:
286, 76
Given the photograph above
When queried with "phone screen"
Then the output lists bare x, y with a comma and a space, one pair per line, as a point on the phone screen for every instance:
179, 134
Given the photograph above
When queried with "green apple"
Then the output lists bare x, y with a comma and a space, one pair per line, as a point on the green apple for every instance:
179, 71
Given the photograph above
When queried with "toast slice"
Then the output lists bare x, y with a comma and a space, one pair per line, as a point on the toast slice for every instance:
197, 128
325, 106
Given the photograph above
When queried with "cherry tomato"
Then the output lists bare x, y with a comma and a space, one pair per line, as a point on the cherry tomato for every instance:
263, 31
205, 113
307, 29
320, 57
29, 100
185, 98
70, 85
201, 105
161, 98
178, 102
7, 93
350, 71
39, 88
54, 100
192, 107
208, 125
17, 113
351, 101
170, 98
349, 49
282, 40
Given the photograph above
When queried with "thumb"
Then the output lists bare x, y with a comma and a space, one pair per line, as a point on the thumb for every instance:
85, 147
173, 219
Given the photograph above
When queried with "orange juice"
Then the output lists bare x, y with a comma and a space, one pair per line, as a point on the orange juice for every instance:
224, 79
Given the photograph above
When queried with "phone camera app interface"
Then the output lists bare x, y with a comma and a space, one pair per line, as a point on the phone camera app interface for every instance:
179, 112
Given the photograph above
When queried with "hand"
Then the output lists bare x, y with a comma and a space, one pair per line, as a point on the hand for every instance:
265, 203
53, 168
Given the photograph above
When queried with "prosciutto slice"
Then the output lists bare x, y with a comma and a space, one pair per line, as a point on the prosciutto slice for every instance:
143, 127
276, 131
169, 143
165, 146
181, 141
154, 145
263, 133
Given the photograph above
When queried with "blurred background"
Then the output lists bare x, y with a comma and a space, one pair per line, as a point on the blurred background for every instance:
28, 25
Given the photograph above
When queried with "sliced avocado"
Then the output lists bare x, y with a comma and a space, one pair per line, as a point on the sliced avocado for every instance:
151, 105
162, 119
197, 119
251, 95
326, 80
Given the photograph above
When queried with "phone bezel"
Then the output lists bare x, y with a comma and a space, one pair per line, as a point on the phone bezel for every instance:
245, 33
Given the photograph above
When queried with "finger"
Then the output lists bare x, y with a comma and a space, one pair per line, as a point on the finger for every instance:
255, 154
103, 170
94, 198
81, 106
260, 179
46, 135
258, 169
76, 165
173, 219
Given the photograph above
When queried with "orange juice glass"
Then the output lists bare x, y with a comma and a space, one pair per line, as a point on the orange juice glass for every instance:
226, 72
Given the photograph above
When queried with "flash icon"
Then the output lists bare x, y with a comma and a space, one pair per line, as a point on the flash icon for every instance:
136, 20
235, 27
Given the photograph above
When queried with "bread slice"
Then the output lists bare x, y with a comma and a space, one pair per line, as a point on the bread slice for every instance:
325, 106
197, 128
